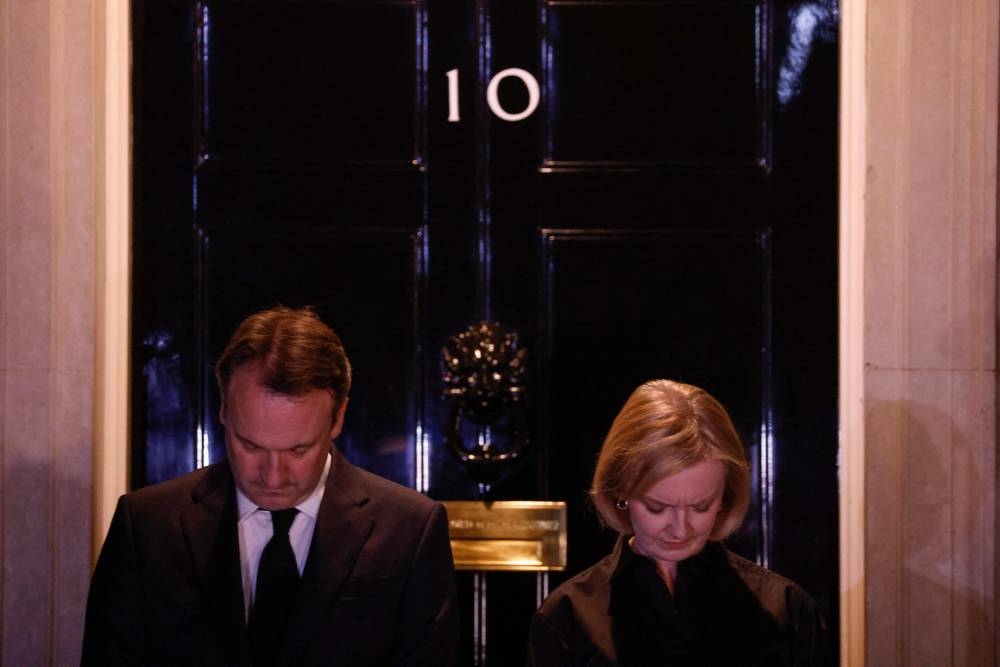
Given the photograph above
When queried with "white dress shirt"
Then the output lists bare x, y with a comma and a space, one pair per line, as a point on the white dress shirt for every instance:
255, 530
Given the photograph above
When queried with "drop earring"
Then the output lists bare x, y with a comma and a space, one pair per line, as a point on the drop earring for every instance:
622, 504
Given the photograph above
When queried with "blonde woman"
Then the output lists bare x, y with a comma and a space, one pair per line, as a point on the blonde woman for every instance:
673, 479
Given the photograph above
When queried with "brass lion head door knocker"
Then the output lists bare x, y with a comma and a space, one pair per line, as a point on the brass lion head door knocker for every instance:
484, 380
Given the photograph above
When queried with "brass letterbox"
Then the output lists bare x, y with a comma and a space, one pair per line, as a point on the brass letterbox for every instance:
512, 535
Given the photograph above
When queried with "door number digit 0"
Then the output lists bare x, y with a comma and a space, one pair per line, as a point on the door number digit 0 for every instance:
494, 101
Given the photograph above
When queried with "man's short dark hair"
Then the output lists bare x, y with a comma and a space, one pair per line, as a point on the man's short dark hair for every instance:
296, 350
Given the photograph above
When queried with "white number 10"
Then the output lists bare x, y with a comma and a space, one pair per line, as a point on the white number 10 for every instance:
492, 96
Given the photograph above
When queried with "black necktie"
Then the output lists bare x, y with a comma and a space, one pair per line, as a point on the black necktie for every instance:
277, 582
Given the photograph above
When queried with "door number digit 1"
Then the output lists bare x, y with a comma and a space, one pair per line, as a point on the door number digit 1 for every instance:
453, 96
492, 96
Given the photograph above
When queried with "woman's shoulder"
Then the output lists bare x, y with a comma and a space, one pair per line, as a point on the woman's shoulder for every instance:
782, 597
573, 625
752, 572
588, 587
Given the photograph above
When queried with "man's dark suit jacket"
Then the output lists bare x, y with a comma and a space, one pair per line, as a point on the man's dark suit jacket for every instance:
378, 586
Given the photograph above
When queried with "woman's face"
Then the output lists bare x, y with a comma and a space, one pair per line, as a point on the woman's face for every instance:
674, 518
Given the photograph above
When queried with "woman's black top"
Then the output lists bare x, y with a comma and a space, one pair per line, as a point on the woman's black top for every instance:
724, 611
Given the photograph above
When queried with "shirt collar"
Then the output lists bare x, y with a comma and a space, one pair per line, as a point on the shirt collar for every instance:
624, 557
309, 506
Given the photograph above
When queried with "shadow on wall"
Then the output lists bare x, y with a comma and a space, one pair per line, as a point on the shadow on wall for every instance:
937, 610
47, 565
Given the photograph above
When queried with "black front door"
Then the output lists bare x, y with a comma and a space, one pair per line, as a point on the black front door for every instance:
638, 189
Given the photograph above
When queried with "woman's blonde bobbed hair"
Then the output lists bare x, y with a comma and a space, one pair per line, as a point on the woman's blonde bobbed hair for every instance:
663, 428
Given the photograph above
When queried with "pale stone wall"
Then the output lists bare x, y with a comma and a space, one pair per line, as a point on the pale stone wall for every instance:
929, 333
47, 222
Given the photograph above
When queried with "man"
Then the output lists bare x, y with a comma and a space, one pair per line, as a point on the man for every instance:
286, 553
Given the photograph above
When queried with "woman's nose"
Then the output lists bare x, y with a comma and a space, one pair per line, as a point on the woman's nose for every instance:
679, 527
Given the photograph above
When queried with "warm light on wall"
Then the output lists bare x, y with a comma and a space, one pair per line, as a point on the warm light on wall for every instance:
111, 376
851, 335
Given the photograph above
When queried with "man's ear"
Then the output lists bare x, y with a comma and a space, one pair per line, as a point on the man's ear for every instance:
338, 418
222, 413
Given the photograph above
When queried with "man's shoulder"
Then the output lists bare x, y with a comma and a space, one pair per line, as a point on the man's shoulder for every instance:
189, 487
384, 491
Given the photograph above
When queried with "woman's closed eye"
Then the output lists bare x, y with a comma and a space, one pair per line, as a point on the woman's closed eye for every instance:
659, 509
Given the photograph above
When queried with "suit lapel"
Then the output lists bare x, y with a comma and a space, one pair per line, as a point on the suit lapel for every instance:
209, 527
342, 527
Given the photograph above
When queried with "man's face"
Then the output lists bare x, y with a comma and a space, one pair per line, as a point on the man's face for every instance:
277, 444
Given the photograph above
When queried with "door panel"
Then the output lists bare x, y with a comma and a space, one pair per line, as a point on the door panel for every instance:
667, 210
367, 280
653, 83
291, 81
665, 293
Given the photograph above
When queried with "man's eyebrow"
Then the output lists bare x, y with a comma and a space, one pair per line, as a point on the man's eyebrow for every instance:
248, 441
245, 440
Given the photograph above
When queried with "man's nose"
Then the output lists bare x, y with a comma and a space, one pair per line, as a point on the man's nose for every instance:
272, 472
